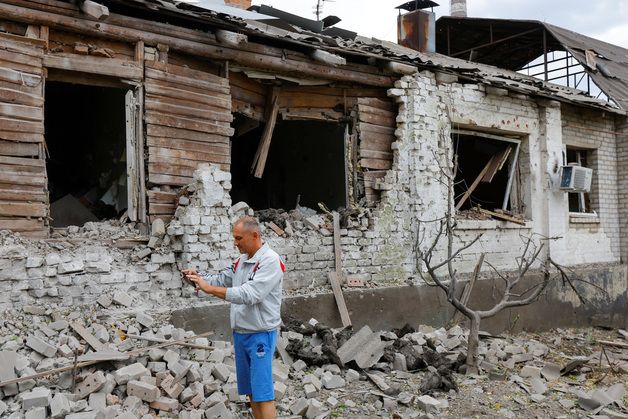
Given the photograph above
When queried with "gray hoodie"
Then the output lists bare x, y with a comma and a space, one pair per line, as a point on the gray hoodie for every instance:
254, 289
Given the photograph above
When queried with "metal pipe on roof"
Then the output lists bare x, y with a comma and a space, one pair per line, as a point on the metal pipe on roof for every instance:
458, 8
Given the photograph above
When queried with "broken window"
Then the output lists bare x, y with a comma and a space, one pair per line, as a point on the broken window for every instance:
486, 171
579, 202
85, 129
305, 164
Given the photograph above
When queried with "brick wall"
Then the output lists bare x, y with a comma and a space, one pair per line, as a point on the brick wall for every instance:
622, 183
242, 4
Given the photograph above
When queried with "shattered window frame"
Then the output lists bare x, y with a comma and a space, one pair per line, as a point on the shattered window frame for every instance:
510, 160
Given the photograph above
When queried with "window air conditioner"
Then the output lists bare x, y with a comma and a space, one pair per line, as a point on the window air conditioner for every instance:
576, 179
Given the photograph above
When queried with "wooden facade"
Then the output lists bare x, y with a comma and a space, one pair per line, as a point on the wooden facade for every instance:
183, 89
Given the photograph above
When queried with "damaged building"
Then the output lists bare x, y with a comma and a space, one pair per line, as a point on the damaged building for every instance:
133, 132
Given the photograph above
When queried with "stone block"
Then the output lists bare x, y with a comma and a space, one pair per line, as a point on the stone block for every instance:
41, 346
280, 372
97, 401
333, 382
428, 404
130, 372
104, 300
171, 357
218, 411
90, 384
38, 397
299, 365
352, 375
36, 413
156, 367
70, 267
313, 379
299, 407
122, 298
144, 319
310, 391
221, 372
314, 409
8, 360
3, 407
529, 371
59, 325
165, 403
280, 390
143, 391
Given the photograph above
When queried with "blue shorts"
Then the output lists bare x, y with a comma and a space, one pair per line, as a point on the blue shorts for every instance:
254, 354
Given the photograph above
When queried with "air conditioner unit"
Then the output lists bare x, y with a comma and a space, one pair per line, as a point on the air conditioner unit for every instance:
576, 179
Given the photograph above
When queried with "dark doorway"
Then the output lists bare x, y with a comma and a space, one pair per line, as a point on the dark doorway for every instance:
85, 130
305, 162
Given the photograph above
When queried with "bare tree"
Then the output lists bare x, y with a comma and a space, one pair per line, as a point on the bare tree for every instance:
430, 267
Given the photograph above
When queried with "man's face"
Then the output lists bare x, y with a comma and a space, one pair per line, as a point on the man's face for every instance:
243, 239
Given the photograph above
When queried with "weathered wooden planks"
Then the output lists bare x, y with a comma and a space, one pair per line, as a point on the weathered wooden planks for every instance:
188, 122
23, 183
376, 127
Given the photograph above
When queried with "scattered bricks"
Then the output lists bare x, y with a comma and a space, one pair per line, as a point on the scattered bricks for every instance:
122, 298
315, 408
97, 401
197, 400
144, 319
222, 373
148, 379
92, 383
193, 375
428, 404
132, 404
280, 390
333, 381
171, 357
310, 391
218, 411
216, 397
529, 371
143, 391
312, 379
40, 346
352, 375
38, 397
83, 415
299, 407
36, 413
3, 407
299, 365
130, 372
172, 390
166, 404
100, 332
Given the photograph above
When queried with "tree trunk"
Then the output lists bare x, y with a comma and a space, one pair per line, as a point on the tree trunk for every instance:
472, 345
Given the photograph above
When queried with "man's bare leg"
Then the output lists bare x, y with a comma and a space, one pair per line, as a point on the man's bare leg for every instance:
264, 410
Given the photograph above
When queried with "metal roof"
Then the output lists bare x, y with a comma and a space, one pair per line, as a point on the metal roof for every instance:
512, 44
348, 44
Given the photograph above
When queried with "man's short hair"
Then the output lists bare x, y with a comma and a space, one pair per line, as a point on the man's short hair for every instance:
249, 223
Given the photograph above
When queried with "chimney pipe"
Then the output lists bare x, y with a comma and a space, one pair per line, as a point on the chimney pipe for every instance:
458, 8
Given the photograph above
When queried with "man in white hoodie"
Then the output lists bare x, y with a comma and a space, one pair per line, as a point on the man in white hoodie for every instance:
253, 286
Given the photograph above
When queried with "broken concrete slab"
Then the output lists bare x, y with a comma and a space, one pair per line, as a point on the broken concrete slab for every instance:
551, 372
37, 397
529, 371
122, 298
364, 347
428, 404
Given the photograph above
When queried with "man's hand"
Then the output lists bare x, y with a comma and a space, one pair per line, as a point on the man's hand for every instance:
192, 276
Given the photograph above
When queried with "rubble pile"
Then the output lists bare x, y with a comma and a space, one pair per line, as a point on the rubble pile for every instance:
125, 363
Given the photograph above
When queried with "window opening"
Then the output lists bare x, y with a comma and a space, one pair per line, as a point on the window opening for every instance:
485, 172
85, 129
306, 163
579, 202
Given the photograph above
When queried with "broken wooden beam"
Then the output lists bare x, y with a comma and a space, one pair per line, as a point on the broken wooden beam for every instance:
475, 183
95, 10
400, 68
278, 230
272, 108
328, 58
503, 217
231, 38
466, 293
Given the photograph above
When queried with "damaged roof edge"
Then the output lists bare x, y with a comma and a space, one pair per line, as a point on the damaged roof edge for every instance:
383, 51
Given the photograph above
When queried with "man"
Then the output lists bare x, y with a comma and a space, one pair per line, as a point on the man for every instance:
253, 285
